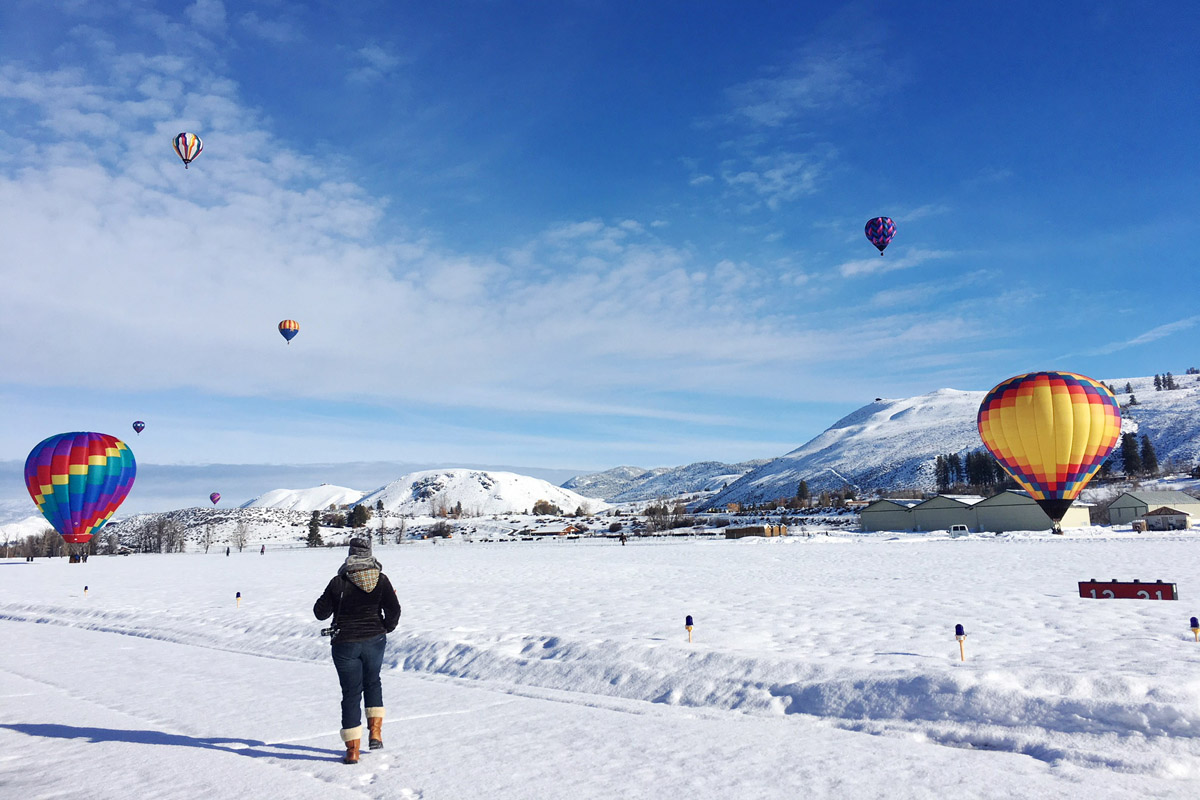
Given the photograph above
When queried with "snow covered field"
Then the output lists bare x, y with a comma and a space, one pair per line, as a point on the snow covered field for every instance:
820, 667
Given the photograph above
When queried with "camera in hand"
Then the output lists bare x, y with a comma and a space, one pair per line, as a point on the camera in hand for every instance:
330, 631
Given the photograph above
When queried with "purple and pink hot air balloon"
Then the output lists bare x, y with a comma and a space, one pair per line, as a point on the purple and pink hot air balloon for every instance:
880, 231
215, 497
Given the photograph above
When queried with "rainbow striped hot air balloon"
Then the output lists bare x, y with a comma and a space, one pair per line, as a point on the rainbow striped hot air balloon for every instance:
1051, 431
78, 480
880, 231
188, 146
288, 329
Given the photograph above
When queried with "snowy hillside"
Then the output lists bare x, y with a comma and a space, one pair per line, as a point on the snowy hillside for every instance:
317, 498
610, 483
479, 493
633, 484
892, 444
1170, 418
273, 526
20, 527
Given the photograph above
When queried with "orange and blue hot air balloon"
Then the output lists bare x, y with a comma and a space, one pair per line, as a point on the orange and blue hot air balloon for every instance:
1051, 431
188, 146
138, 427
288, 329
880, 231
215, 497
78, 480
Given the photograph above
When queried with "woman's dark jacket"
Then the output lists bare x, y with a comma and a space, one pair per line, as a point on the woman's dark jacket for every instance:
359, 615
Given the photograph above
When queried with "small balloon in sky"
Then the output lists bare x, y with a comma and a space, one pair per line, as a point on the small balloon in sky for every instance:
188, 146
880, 231
288, 329
215, 497
78, 480
138, 427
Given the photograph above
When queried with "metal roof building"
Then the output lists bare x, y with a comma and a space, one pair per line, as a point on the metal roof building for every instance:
1132, 505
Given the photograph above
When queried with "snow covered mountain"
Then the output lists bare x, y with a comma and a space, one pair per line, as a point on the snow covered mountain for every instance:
634, 484
893, 444
478, 492
611, 482
318, 498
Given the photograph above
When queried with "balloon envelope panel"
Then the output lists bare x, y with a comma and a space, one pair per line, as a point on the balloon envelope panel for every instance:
1050, 430
78, 480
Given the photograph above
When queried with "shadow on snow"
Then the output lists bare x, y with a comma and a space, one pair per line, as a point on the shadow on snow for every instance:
241, 747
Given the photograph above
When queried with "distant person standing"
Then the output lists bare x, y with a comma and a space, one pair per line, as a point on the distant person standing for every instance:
262, 551
365, 610
226, 551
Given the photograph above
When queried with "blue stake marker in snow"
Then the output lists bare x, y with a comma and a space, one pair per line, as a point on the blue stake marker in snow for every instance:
239, 599
960, 635
1196, 628
85, 595
687, 623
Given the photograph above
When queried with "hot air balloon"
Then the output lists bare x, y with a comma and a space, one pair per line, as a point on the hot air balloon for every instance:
880, 231
138, 427
188, 146
1051, 431
78, 480
215, 496
288, 329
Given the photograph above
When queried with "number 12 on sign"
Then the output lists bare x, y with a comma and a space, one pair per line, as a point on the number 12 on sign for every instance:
1127, 590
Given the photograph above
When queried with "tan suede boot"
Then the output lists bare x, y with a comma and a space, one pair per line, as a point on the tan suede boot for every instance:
375, 732
351, 756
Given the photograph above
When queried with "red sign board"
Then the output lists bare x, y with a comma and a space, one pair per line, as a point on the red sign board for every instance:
1127, 590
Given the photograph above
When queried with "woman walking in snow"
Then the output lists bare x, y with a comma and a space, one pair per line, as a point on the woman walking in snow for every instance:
365, 609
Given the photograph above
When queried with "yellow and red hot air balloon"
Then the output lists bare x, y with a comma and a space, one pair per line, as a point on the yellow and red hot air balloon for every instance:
288, 329
1051, 431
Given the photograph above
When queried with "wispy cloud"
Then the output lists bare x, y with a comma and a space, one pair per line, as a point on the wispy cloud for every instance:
208, 15
1152, 335
778, 178
875, 266
280, 29
376, 62
827, 75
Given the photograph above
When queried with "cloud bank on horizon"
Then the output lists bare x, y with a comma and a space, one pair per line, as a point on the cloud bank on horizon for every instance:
590, 280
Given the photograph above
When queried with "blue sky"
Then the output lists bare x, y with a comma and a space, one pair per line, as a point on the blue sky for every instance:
577, 234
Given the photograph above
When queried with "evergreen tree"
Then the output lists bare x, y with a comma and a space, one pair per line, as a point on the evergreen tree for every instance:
954, 464
1132, 400
802, 492
1128, 387
1169, 381
941, 472
1157, 382
1106, 468
359, 516
1131, 458
1149, 457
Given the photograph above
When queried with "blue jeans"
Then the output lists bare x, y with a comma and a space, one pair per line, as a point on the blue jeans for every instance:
358, 665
